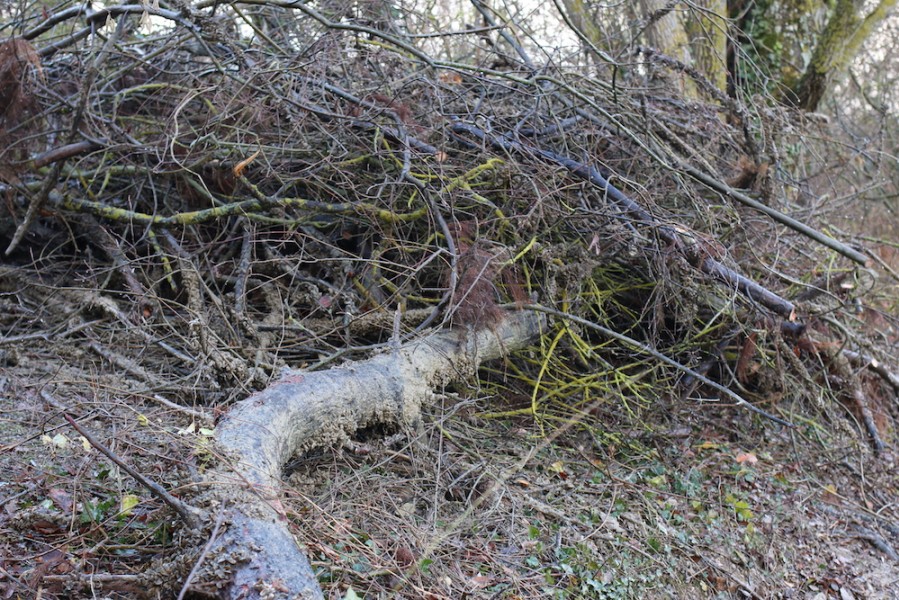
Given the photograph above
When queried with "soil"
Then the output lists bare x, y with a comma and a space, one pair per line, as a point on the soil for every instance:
672, 500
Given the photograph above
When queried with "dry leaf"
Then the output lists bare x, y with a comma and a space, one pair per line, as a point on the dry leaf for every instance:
558, 467
404, 556
61, 498
747, 458
239, 167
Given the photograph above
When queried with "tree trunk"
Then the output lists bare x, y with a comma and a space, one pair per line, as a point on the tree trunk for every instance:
708, 40
838, 44
666, 33
579, 14
257, 557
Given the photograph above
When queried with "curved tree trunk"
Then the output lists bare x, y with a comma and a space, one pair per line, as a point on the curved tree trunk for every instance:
844, 34
257, 557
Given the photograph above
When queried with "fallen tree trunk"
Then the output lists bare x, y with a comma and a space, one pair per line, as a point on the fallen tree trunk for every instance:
257, 557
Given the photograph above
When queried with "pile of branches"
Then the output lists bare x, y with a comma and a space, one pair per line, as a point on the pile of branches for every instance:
234, 191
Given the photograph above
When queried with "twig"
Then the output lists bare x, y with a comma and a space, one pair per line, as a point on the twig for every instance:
745, 588
64, 152
124, 363
28, 489
206, 548
197, 414
56, 333
122, 264
852, 384
692, 251
454, 260
192, 516
875, 365
95, 17
585, 39
243, 268
37, 202
34, 206
629, 341
850, 253
504, 33
884, 265
867, 416
876, 540
27, 590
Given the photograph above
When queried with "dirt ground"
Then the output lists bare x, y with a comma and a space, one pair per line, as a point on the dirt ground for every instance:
673, 500
698, 503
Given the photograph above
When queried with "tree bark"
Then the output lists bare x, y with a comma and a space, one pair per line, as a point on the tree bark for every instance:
666, 33
257, 557
838, 44
708, 39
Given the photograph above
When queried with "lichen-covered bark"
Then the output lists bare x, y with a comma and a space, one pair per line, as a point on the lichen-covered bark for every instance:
708, 40
666, 33
838, 44
257, 557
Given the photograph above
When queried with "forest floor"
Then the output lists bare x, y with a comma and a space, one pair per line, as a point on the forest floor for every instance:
673, 500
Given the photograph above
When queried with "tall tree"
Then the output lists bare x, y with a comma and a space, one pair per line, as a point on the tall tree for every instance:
837, 45
707, 29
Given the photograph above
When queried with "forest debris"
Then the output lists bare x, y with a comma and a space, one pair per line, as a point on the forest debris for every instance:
693, 252
302, 410
821, 238
192, 517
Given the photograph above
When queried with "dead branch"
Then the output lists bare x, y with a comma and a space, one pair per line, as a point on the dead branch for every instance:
670, 234
863, 360
304, 410
37, 202
850, 253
